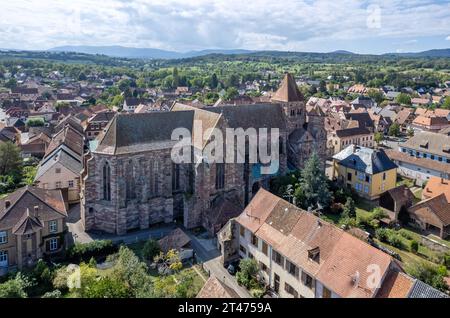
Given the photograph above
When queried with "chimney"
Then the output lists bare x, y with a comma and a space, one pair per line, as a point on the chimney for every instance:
7, 204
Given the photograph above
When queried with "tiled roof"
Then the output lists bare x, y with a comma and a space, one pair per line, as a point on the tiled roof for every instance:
396, 285
365, 159
50, 202
437, 205
141, 132
65, 158
253, 115
429, 121
421, 162
430, 142
403, 115
288, 90
436, 186
68, 137
176, 239
342, 261
214, 288
28, 224
401, 194
354, 131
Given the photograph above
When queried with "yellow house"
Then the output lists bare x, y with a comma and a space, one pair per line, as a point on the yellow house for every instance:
367, 171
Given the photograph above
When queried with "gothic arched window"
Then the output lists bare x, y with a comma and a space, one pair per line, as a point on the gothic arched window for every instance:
130, 184
220, 175
106, 182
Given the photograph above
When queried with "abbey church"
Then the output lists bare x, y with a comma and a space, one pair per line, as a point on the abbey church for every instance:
130, 182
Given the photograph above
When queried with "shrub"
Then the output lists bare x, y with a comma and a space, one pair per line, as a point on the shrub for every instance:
257, 292
414, 246
395, 241
150, 250
16, 287
53, 294
247, 274
84, 252
381, 234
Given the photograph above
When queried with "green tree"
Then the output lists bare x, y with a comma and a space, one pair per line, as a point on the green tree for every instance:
150, 250
129, 269
394, 130
10, 160
414, 246
410, 132
169, 262
11, 83
231, 93
429, 274
446, 103
82, 76
376, 95
322, 87
213, 82
16, 287
378, 137
118, 100
403, 98
106, 287
248, 270
349, 210
175, 78
313, 185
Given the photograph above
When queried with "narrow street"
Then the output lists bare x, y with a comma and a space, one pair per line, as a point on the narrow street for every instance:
210, 257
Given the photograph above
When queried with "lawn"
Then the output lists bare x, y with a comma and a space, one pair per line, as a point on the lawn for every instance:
407, 182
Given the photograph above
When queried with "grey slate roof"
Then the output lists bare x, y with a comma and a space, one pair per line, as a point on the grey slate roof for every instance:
365, 159
422, 290
352, 132
253, 115
66, 158
431, 142
141, 132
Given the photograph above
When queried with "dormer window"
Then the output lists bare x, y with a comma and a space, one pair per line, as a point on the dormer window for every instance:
314, 254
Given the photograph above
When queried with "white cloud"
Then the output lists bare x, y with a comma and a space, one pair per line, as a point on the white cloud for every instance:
197, 24
448, 38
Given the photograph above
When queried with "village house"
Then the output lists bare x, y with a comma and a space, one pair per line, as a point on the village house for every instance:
367, 171
357, 89
26, 93
424, 155
97, 123
342, 138
432, 215
363, 102
130, 104
404, 118
429, 123
420, 102
300, 255
62, 164
32, 224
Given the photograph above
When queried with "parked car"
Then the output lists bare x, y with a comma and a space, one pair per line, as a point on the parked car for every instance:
232, 267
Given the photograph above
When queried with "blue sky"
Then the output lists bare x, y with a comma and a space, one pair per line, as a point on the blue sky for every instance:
183, 25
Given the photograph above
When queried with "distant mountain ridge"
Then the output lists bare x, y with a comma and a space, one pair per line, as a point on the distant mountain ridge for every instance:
150, 53
129, 52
